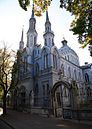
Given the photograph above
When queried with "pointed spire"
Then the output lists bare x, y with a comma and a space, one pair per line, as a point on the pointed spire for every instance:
47, 17
21, 44
48, 35
22, 34
32, 16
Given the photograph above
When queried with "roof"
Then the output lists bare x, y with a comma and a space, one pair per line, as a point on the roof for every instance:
66, 49
86, 66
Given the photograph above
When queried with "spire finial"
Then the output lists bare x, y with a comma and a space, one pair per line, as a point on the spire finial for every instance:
47, 17
64, 42
33, 10
22, 33
21, 44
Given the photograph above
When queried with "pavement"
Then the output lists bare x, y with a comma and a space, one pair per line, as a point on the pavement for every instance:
3, 125
24, 120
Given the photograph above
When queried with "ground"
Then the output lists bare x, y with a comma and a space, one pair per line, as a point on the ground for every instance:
20, 120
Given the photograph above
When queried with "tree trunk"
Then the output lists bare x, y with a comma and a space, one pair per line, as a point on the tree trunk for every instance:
4, 102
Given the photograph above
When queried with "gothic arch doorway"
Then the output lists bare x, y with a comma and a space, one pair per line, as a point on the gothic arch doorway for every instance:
61, 99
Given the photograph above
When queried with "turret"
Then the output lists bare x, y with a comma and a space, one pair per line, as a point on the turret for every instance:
21, 44
64, 42
48, 35
32, 33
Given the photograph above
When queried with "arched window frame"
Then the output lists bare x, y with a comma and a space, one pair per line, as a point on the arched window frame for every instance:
49, 41
86, 78
45, 42
37, 69
62, 69
55, 61
45, 60
79, 76
48, 89
43, 90
25, 64
36, 89
69, 72
34, 39
52, 42
75, 74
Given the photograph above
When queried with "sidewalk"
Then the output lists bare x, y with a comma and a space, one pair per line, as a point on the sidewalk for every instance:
20, 120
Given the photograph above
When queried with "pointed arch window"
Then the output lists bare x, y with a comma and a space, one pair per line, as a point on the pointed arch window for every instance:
47, 89
45, 42
37, 68
25, 64
69, 72
52, 42
48, 28
79, 76
46, 61
36, 92
86, 78
75, 76
43, 90
49, 41
36, 89
35, 40
68, 57
62, 69
55, 61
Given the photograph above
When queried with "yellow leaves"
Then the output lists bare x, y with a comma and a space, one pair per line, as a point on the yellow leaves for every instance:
86, 42
40, 6
6, 63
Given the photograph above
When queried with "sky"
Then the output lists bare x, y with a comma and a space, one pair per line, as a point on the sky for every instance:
13, 18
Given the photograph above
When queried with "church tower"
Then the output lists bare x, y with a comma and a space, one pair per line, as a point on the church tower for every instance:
32, 33
48, 35
21, 44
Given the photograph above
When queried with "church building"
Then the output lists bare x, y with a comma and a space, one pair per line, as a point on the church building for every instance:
50, 80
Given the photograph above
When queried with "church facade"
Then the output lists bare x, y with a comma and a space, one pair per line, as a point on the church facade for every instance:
49, 79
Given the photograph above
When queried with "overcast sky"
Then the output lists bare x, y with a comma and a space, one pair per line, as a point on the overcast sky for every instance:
13, 18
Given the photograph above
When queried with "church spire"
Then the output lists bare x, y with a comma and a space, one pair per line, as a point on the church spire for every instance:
48, 35
21, 44
32, 33
47, 17
32, 16
47, 23
22, 35
32, 21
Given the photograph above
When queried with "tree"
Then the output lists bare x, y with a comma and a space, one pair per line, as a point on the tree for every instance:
82, 24
81, 9
6, 63
40, 6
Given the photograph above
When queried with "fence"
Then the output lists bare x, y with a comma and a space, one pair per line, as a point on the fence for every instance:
77, 114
